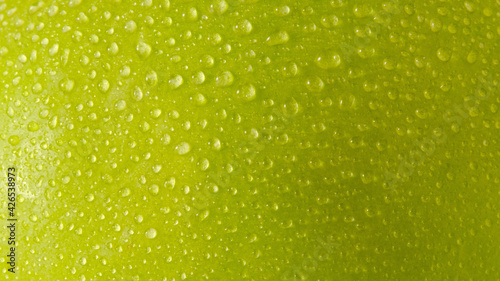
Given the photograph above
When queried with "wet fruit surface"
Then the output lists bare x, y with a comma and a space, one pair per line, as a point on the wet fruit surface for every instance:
252, 140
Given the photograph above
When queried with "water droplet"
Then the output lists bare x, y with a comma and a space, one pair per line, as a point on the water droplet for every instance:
200, 99
53, 122
166, 139
156, 113
113, 48
14, 140
443, 54
347, 101
152, 78
33, 126
315, 84
104, 86
370, 212
139, 218
170, 183
282, 10
10, 111
207, 61
435, 25
291, 107
192, 14
198, 78
143, 49
290, 70
388, 64
472, 56
278, 38
130, 26
224, 79
154, 189
328, 60
125, 71
176, 81
120, 105
469, 6
362, 11
89, 197
337, 3
216, 144
54, 49
204, 164
330, 21
243, 27
124, 192
220, 6
183, 148
247, 92
137, 94
151, 233
67, 85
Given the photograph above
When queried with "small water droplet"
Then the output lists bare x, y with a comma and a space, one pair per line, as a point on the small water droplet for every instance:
33, 126
104, 86
120, 105
247, 92
138, 94
151, 233
278, 38
143, 49
224, 79
200, 99
243, 27
443, 54
176, 81
315, 84
130, 26
154, 189
219, 6
113, 48
14, 140
328, 60
183, 148
124, 192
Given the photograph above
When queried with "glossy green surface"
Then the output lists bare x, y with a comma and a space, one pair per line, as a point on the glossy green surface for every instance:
252, 140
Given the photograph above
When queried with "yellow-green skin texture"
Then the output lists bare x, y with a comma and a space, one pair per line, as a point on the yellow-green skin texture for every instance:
251, 140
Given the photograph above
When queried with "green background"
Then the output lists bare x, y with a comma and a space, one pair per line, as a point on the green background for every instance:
251, 140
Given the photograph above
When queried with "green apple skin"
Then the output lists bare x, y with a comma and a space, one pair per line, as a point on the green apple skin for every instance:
251, 140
